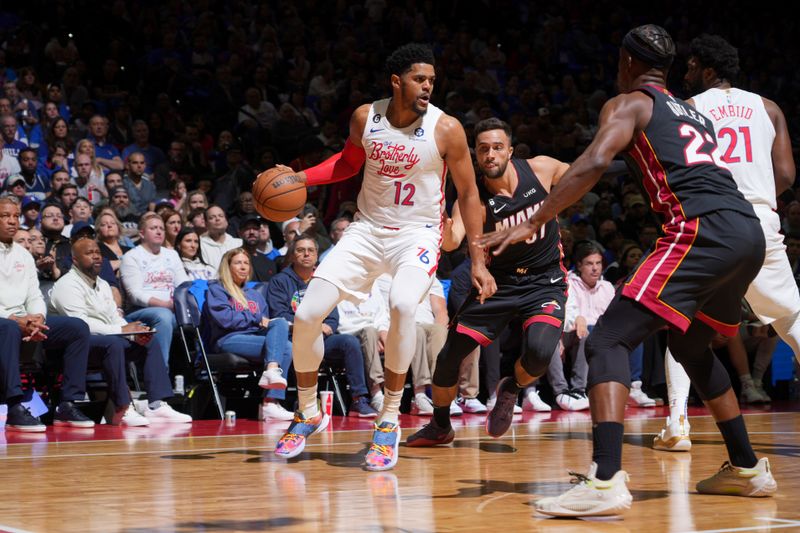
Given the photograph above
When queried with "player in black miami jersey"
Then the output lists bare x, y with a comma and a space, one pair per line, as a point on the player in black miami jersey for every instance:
530, 281
693, 280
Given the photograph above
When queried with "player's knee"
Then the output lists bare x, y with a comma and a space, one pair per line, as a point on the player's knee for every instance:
403, 309
541, 340
306, 317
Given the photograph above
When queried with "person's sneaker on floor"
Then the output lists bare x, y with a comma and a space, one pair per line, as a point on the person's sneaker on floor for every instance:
274, 411
272, 378
382, 454
129, 416
165, 413
493, 399
572, 401
431, 435
377, 401
590, 496
756, 482
674, 437
471, 405
19, 418
421, 405
638, 398
68, 415
361, 408
455, 409
532, 402
761, 392
293, 442
502, 414
749, 394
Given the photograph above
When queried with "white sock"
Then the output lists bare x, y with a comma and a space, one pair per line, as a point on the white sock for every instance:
746, 380
391, 406
678, 385
307, 401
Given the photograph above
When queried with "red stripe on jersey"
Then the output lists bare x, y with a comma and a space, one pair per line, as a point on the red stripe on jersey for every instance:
655, 181
647, 283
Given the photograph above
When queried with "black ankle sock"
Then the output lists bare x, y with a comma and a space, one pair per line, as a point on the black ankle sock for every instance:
441, 415
607, 453
740, 451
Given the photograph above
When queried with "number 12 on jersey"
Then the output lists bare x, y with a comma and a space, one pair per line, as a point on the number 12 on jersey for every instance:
404, 193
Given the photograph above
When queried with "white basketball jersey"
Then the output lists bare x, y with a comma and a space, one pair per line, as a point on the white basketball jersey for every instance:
745, 135
404, 173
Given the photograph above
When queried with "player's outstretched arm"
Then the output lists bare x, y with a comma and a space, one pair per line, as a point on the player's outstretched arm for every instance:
346, 163
782, 158
618, 121
452, 142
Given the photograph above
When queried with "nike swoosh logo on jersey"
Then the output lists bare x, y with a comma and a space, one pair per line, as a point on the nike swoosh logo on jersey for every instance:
498, 209
373, 130
555, 280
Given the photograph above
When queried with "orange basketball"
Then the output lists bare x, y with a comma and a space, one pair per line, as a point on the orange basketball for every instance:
279, 194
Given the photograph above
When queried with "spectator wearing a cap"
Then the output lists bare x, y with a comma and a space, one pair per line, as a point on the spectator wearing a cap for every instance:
262, 268
141, 190
217, 240
290, 230
30, 207
121, 204
15, 186
36, 183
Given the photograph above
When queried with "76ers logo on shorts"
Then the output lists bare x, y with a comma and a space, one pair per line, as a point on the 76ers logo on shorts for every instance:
423, 255
376, 118
297, 297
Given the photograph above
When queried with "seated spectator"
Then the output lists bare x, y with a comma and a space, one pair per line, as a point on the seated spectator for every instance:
153, 155
90, 181
80, 211
31, 206
197, 199
111, 181
173, 224
23, 238
22, 319
51, 225
141, 190
250, 233
197, 219
178, 196
82, 294
337, 230
58, 179
285, 293
618, 271
265, 245
9, 165
187, 244
244, 208
150, 274
126, 214
66, 195
46, 267
37, 184
15, 187
236, 319
217, 240
290, 229
106, 153
109, 233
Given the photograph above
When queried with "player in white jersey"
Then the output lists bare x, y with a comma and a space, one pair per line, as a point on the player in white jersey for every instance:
406, 146
754, 143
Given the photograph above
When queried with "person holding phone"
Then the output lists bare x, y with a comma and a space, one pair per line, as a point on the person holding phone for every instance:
83, 294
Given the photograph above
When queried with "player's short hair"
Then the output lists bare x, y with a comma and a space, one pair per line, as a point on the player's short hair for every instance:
715, 52
650, 44
492, 123
400, 61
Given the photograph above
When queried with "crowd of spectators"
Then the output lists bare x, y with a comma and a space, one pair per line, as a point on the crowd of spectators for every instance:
144, 125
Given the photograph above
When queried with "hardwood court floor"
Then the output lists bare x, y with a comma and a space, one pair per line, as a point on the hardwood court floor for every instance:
211, 477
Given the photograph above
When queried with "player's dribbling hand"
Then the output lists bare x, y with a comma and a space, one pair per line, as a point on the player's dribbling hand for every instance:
500, 240
484, 282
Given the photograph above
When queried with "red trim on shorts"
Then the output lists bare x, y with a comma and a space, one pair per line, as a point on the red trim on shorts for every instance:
477, 336
729, 330
647, 283
391, 228
545, 319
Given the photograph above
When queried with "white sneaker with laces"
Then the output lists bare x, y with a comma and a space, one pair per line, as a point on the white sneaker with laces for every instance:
455, 409
638, 398
129, 417
165, 413
274, 411
272, 378
471, 405
421, 405
590, 496
493, 399
532, 402
756, 482
750, 394
377, 401
674, 437
572, 401
761, 392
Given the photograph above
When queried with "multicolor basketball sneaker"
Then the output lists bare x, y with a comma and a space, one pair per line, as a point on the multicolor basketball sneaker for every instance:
293, 441
382, 455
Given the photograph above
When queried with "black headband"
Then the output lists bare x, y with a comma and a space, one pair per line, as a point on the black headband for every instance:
644, 53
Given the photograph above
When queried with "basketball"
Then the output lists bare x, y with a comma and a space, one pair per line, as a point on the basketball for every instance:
279, 194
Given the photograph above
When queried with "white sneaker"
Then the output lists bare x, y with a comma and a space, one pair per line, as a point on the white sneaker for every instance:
165, 413
491, 401
471, 405
750, 394
590, 497
274, 411
377, 401
455, 409
756, 482
272, 379
572, 401
761, 392
129, 417
532, 402
421, 405
638, 398
674, 437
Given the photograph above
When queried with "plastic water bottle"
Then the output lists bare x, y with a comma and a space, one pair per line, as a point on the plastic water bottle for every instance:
179, 390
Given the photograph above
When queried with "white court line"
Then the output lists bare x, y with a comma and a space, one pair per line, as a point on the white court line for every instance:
9, 529
785, 524
480, 507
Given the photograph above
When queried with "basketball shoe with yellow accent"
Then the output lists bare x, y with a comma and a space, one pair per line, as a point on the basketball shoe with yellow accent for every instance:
382, 454
756, 482
674, 437
293, 441
590, 496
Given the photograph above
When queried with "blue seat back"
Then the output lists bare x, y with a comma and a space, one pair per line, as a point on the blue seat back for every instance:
190, 296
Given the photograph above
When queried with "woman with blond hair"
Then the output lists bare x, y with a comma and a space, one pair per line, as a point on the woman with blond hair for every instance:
109, 233
236, 320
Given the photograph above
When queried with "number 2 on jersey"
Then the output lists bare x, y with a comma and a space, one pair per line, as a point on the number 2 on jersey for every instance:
697, 141
409, 190
730, 133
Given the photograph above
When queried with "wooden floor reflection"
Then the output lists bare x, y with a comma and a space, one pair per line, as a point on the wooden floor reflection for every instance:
203, 479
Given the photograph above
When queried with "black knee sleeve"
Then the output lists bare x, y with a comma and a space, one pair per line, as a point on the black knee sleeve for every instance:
541, 340
708, 375
455, 349
607, 357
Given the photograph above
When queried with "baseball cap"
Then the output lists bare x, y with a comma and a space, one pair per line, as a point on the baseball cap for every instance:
286, 223
13, 180
251, 217
634, 199
29, 201
80, 228
117, 190
164, 202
